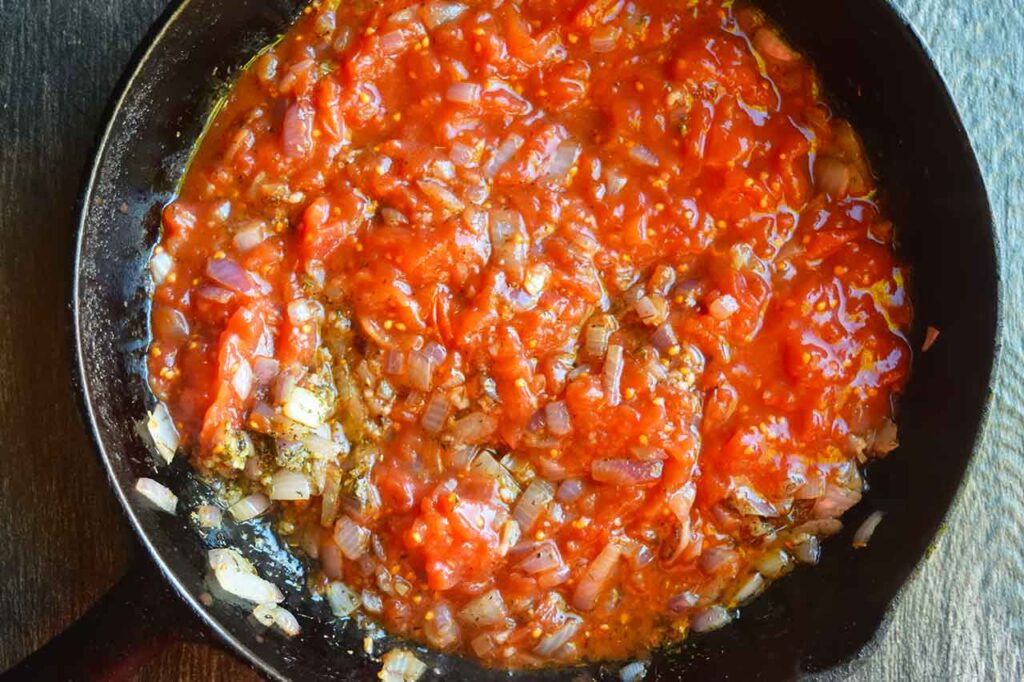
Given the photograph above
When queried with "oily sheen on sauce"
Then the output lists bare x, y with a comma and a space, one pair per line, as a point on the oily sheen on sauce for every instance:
553, 330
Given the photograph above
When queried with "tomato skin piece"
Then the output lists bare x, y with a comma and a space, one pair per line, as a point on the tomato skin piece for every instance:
248, 327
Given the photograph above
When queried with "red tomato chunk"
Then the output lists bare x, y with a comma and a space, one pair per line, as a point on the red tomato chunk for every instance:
572, 315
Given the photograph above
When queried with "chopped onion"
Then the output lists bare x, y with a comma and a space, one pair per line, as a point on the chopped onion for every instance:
421, 371
331, 496
570, 490
394, 361
519, 467
435, 352
464, 93
273, 615
683, 602
556, 414
508, 238
596, 576
404, 16
209, 516
808, 550
639, 554
503, 154
303, 406
234, 575
645, 156
748, 502
812, 488
249, 235
395, 42
440, 195
544, 556
483, 644
249, 507
160, 265
474, 428
301, 310
723, 307
162, 430
265, 369
510, 534
241, 380
488, 609
486, 465
536, 279
342, 600
867, 529
401, 666
330, 557
652, 309
555, 640
604, 38
290, 485
463, 155
436, 413
215, 295
835, 501
534, 502
325, 24
325, 448
551, 470
626, 471
441, 630
749, 588
634, 672
438, 13
160, 495
563, 160
353, 540
599, 330
714, 558
823, 527
710, 619
612, 373
554, 577
231, 275
773, 564
616, 181
372, 602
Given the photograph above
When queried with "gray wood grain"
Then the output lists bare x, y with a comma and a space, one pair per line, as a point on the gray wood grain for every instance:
62, 540
962, 618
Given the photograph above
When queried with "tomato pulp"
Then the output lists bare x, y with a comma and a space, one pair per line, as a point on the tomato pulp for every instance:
555, 330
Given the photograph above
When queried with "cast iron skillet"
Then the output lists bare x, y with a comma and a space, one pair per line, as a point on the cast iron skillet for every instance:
878, 75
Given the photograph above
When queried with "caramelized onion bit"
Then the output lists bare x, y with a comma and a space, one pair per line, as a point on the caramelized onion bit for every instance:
596, 577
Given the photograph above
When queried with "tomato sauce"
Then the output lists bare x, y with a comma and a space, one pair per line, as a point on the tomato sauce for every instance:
573, 320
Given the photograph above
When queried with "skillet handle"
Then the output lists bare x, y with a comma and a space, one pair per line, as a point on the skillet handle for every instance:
134, 621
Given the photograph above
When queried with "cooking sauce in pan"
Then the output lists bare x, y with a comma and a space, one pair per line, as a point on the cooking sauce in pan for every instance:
554, 330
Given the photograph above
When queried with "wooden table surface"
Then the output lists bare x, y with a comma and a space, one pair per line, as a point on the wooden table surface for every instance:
62, 539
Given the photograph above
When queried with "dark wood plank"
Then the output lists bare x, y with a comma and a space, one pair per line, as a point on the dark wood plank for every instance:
63, 540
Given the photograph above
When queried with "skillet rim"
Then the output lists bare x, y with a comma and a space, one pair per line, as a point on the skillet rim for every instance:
127, 82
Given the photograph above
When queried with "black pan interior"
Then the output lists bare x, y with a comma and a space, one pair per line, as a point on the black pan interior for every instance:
877, 74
